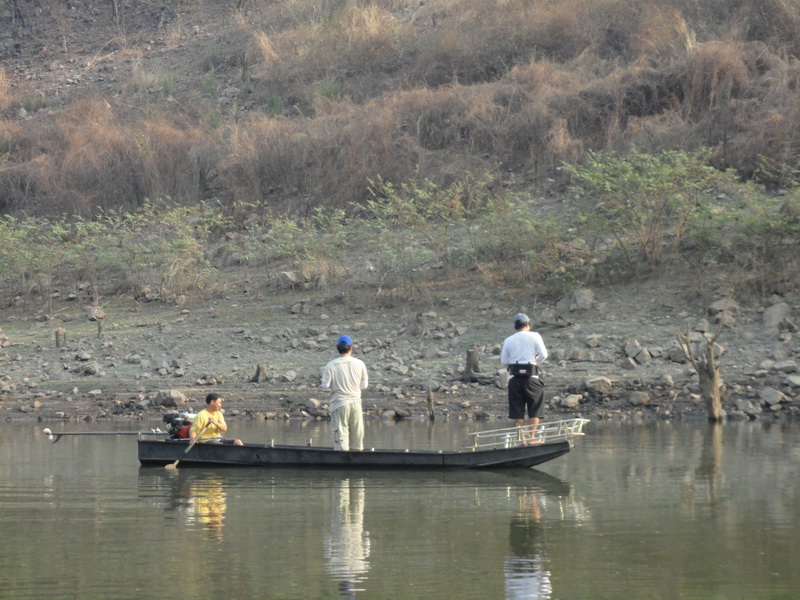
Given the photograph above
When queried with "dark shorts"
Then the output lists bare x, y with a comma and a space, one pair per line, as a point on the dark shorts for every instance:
218, 440
525, 393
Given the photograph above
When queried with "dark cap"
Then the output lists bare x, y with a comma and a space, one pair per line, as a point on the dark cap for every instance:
521, 319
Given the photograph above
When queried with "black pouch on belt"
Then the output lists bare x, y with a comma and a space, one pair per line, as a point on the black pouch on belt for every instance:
522, 369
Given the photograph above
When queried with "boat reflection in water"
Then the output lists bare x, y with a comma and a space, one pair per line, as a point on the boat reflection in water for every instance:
347, 544
203, 503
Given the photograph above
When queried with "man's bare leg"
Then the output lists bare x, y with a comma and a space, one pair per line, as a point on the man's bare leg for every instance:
522, 437
532, 426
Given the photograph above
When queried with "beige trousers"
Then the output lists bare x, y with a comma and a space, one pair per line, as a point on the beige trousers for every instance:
348, 427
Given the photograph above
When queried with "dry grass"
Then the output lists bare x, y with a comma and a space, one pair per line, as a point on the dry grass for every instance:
717, 73
333, 93
6, 97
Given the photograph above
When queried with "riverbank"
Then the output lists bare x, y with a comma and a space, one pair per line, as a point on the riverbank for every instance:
613, 356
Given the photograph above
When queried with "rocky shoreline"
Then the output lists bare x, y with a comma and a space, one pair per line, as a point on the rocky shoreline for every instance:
613, 356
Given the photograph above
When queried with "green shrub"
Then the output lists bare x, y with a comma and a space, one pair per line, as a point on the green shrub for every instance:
639, 204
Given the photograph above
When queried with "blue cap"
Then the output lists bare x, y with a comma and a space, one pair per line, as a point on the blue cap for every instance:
344, 340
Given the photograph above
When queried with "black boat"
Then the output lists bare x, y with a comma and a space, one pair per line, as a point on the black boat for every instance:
511, 447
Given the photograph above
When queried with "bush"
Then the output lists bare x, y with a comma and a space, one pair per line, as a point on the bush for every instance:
639, 204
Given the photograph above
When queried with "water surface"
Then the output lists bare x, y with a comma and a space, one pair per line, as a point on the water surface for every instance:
662, 511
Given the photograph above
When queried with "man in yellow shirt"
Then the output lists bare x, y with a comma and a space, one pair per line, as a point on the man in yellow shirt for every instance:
212, 423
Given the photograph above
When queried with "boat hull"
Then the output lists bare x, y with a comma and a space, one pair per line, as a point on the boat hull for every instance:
158, 453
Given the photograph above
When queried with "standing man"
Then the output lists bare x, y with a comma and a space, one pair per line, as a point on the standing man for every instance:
345, 377
211, 422
522, 354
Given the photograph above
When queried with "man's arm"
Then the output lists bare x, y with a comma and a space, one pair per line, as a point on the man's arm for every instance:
504, 356
541, 351
326, 379
218, 421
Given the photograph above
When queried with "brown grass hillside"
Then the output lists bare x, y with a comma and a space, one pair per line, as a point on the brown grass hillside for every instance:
299, 103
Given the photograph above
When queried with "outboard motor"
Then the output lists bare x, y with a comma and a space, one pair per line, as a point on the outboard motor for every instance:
176, 424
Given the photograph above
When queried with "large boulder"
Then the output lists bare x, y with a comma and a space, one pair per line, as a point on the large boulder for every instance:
600, 385
170, 398
775, 316
582, 299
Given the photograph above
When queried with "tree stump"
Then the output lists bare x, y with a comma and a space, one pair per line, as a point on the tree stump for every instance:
472, 370
473, 365
61, 336
431, 414
712, 389
262, 374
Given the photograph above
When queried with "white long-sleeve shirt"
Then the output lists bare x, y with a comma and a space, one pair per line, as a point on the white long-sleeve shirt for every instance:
345, 376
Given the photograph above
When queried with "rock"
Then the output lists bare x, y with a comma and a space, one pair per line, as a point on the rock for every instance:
723, 304
775, 316
571, 401
582, 299
642, 357
666, 381
290, 279
770, 397
632, 348
170, 398
598, 384
92, 368
593, 341
675, 354
639, 398
786, 366
579, 354
94, 313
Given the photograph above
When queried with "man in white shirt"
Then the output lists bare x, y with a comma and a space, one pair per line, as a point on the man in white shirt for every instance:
345, 377
522, 354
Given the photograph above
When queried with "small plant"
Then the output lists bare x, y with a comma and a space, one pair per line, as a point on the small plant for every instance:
274, 105
167, 86
329, 90
210, 84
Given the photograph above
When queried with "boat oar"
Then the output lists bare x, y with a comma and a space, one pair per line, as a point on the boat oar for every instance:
185, 452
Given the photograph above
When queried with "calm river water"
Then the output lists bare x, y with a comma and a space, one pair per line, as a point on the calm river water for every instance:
633, 512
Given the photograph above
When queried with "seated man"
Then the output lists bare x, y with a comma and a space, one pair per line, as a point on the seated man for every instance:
209, 423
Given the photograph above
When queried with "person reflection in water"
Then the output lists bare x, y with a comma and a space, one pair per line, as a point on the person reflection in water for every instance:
524, 568
206, 503
347, 545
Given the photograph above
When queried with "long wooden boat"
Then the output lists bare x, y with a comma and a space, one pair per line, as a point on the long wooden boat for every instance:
499, 448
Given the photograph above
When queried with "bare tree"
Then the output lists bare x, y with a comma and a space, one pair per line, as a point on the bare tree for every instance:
704, 360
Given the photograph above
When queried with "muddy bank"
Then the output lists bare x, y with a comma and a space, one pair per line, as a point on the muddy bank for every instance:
265, 356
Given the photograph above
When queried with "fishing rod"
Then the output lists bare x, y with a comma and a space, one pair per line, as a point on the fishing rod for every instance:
54, 436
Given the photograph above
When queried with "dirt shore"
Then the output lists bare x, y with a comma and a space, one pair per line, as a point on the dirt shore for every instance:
143, 359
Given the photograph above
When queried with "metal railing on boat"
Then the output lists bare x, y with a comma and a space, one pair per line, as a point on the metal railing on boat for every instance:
511, 437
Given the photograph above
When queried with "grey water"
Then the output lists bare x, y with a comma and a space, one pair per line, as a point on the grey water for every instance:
656, 511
